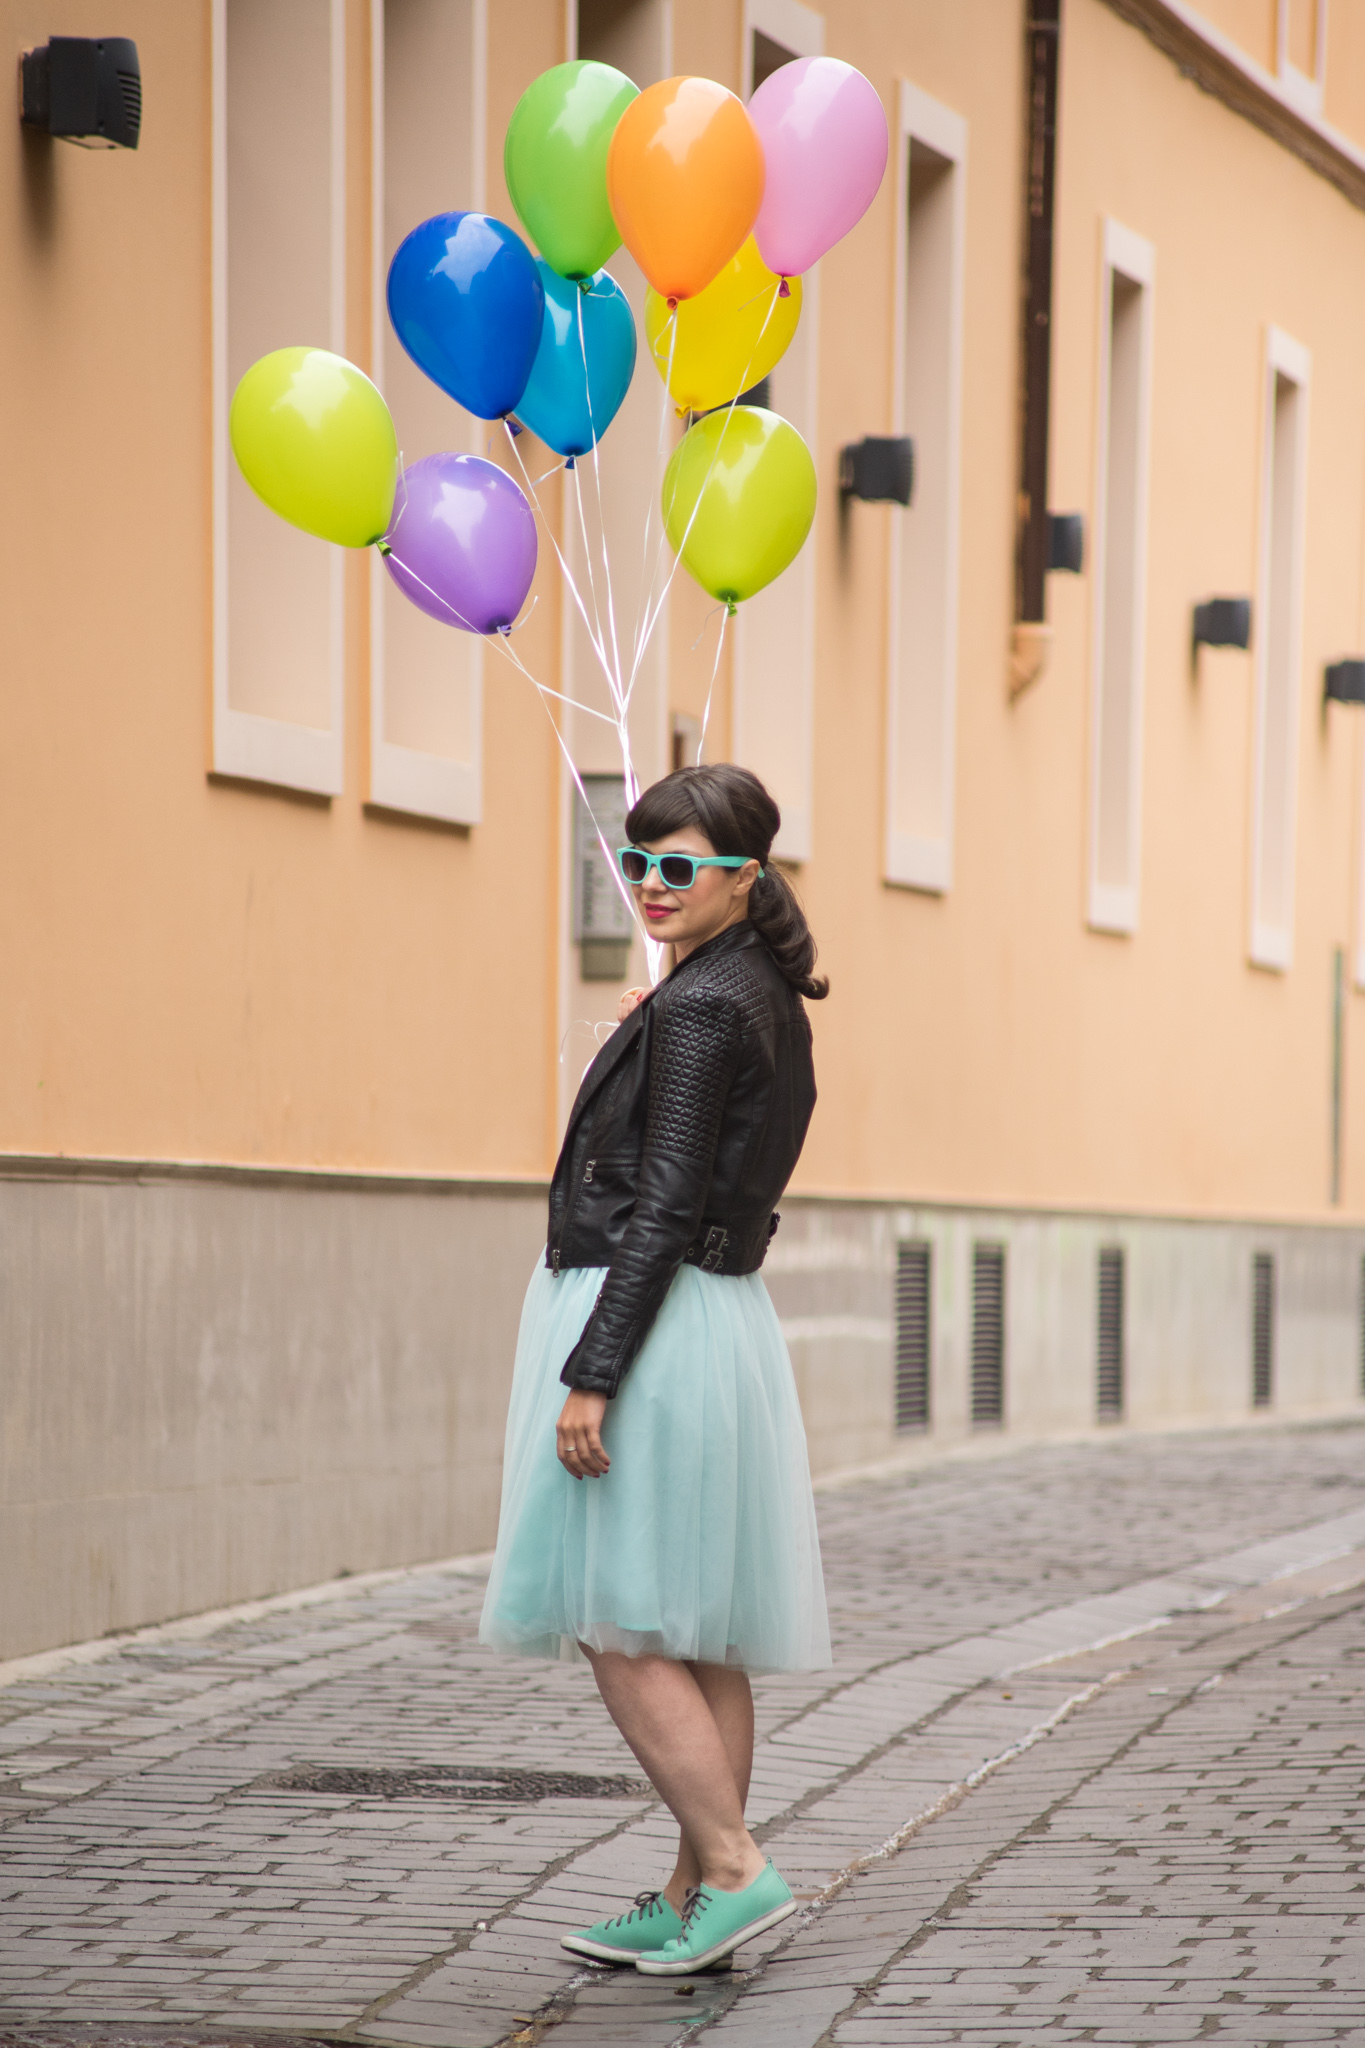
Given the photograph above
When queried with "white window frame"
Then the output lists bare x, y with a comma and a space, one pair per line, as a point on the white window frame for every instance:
1302, 90
1114, 908
409, 779
246, 744
801, 30
1272, 945
912, 861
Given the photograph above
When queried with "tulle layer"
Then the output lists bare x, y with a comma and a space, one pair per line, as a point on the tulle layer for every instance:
700, 1542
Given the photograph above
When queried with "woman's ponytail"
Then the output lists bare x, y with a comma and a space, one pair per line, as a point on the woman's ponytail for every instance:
738, 816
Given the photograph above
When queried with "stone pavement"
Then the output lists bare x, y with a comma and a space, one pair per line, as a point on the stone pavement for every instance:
1088, 1768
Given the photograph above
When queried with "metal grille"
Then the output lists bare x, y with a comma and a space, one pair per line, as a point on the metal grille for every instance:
1109, 1346
478, 1782
988, 1333
913, 1270
1262, 1328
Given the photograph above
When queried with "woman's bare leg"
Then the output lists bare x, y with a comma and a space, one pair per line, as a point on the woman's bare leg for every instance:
666, 1713
727, 1693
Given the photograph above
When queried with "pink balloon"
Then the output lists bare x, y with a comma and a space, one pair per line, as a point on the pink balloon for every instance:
825, 144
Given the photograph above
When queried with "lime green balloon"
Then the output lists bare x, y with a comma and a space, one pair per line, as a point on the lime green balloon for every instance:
314, 438
738, 500
555, 160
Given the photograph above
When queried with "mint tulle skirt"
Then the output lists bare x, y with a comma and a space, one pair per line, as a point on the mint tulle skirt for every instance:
700, 1542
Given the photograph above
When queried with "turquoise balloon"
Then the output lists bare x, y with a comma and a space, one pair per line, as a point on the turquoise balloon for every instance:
569, 403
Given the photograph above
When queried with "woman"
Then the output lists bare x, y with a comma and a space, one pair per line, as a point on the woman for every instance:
660, 1519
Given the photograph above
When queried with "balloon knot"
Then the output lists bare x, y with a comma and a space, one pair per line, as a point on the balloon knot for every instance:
784, 290
514, 426
569, 463
730, 607
672, 305
383, 547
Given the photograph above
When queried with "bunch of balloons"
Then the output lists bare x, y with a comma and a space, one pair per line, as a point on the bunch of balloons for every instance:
723, 208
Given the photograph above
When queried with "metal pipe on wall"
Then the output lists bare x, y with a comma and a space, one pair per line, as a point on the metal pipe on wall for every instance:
1044, 44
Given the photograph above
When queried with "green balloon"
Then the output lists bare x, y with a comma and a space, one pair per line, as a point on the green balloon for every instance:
738, 500
555, 161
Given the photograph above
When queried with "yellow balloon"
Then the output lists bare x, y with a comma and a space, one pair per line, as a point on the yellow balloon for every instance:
314, 439
738, 500
726, 338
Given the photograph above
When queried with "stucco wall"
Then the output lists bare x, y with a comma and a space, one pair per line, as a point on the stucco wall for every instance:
220, 1386
216, 1387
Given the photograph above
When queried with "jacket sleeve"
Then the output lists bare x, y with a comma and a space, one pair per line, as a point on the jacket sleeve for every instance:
695, 1050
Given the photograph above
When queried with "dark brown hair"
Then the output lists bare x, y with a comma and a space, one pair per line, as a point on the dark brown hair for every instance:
736, 813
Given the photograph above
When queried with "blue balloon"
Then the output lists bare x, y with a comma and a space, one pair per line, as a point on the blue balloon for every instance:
566, 403
466, 302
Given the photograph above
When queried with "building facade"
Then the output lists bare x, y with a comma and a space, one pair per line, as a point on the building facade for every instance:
301, 966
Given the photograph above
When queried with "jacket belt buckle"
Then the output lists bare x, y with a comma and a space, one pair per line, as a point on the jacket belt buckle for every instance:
717, 1237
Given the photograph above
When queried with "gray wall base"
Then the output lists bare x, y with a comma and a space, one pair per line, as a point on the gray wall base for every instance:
216, 1385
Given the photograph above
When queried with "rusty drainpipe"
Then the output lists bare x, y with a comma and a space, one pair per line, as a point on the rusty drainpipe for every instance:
1032, 635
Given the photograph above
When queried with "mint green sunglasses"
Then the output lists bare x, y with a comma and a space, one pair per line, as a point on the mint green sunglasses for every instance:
676, 870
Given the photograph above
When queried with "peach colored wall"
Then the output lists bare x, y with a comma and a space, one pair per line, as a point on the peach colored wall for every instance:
987, 1039
215, 971
198, 969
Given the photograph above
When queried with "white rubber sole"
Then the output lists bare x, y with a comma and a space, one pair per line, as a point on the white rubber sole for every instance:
597, 1952
689, 1966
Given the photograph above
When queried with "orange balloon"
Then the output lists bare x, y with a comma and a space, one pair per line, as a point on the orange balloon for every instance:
685, 181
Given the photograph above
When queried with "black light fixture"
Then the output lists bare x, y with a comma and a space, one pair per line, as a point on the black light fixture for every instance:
1343, 682
84, 89
1066, 541
879, 469
1222, 622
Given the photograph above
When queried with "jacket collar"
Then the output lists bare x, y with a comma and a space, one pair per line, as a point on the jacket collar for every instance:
731, 940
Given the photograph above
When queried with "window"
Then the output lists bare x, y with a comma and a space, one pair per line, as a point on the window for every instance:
774, 633
988, 1333
1278, 652
635, 36
1301, 53
428, 61
922, 685
1120, 572
914, 1323
278, 280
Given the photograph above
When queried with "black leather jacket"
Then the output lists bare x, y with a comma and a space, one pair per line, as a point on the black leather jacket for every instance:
685, 1132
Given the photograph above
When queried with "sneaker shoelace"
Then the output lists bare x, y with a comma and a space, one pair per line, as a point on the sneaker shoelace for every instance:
645, 1907
694, 1899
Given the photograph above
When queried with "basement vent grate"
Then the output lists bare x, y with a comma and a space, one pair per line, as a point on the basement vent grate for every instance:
1109, 1349
988, 1333
1262, 1328
448, 1781
913, 1270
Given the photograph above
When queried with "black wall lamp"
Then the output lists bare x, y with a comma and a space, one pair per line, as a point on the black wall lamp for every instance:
1343, 682
1222, 622
83, 89
879, 469
1066, 541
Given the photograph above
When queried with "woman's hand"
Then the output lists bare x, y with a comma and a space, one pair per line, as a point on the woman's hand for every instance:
578, 1435
631, 1000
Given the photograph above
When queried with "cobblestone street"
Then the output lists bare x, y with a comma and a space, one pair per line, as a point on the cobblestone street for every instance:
1088, 1768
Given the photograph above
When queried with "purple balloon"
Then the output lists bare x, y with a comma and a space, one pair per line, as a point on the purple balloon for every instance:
462, 542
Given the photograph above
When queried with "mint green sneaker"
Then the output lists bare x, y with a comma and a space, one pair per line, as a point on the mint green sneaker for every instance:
650, 1923
715, 1922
